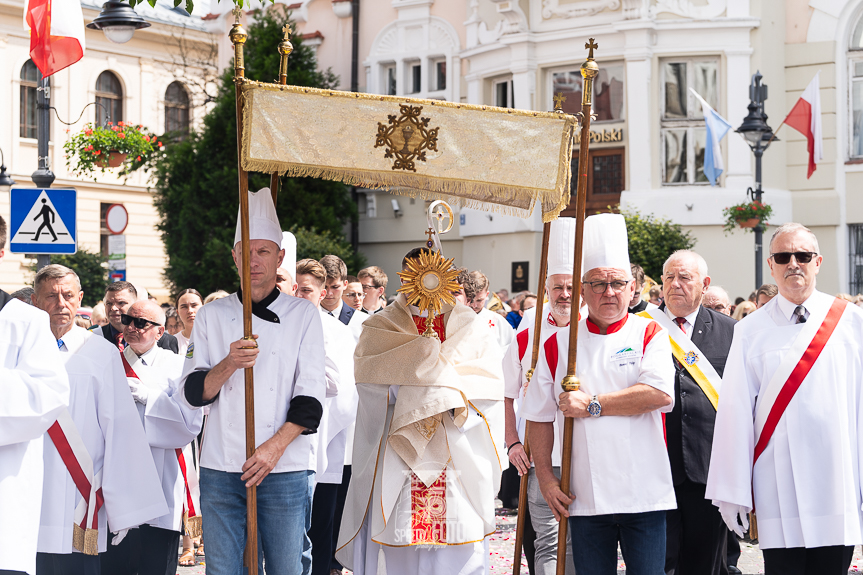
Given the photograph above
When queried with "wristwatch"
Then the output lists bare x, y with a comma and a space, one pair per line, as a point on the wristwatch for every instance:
594, 408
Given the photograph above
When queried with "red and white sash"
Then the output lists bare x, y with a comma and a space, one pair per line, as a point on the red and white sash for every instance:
191, 505
793, 369
73, 452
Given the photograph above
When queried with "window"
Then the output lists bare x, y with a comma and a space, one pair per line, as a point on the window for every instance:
855, 63
607, 92
416, 71
855, 258
440, 75
109, 93
502, 93
176, 109
390, 80
605, 180
682, 126
30, 77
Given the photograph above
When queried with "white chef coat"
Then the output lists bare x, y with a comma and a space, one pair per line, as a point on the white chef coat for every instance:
807, 481
104, 414
290, 363
34, 389
516, 363
169, 424
620, 463
340, 410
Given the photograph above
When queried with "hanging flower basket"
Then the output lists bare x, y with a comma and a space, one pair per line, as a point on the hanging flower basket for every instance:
112, 146
746, 216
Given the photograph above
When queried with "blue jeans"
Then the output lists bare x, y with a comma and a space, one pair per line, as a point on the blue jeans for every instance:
284, 516
641, 537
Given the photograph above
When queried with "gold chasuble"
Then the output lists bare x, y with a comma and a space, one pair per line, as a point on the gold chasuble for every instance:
429, 433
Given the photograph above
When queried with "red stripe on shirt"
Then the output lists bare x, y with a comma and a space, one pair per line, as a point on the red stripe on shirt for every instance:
522, 338
652, 329
551, 354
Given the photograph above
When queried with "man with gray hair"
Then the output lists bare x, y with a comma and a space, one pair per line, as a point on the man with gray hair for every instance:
716, 298
696, 535
788, 430
34, 390
152, 375
118, 297
102, 421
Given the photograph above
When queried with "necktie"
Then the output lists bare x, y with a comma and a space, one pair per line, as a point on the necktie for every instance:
800, 312
121, 344
681, 322
60, 344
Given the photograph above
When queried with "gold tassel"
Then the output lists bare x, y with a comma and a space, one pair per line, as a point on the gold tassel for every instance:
194, 526
753, 526
77, 537
91, 542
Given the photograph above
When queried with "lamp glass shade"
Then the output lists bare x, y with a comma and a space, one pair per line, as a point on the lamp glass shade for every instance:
118, 34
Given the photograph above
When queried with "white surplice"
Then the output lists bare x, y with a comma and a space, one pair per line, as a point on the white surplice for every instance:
34, 390
104, 414
807, 481
619, 463
503, 332
169, 424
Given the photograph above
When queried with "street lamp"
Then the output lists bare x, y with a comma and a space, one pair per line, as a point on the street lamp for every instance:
118, 21
6, 181
758, 136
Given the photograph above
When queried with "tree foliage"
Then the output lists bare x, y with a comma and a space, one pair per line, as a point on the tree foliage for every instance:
652, 240
196, 178
91, 271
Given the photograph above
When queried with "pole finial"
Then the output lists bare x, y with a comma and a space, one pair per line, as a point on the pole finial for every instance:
287, 30
237, 13
559, 99
591, 45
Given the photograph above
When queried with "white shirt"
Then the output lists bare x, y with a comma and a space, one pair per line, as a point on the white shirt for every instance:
620, 463
169, 424
105, 417
182, 343
689, 322
807, 480
503, 332
34, 389
290, 364
516, 363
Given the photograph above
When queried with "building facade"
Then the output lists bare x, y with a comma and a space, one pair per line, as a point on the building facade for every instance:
150, 80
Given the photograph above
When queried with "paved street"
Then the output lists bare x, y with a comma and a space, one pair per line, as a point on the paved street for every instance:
502, 544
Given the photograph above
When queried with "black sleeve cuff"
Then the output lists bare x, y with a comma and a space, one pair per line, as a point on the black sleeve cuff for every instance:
306, 412
194, 389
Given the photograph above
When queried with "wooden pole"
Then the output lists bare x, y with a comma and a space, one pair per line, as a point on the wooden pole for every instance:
238, 38
570, 382
537, 328
285, 49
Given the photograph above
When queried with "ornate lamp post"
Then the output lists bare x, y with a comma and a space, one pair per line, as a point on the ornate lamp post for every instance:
118, 21
6, 181
758, 135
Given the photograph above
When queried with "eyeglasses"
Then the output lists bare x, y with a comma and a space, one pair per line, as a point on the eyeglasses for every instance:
601, 287
139, 322
783, 258
369, 287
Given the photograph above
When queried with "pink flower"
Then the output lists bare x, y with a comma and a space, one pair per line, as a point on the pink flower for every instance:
96, 153
159, 144
120, 124
138, 159
122, 136
88, 132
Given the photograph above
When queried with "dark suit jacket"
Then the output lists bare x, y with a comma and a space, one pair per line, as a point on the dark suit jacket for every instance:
167, 341
346, 313
689, 426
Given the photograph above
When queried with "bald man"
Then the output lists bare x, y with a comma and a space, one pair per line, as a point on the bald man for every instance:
170, 425
716, 298
285, 282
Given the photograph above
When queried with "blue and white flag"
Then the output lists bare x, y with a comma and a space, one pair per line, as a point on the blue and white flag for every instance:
717, 127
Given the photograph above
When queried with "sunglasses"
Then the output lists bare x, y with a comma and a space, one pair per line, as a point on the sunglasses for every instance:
783, 258
139, 322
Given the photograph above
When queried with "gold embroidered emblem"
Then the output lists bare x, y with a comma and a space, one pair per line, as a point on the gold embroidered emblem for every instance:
407, 137
426, 427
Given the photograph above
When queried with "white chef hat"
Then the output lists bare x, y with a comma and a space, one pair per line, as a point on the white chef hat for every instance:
263, 221
142, 294
606, 244
289, 244
561, 243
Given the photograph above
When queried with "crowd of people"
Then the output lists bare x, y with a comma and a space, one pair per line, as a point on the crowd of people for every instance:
384, 435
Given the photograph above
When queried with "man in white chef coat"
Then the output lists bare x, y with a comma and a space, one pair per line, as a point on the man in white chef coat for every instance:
290, 386
516, 364
621, 479
340, 411
34, 391
791, 402
99, 439
152, 374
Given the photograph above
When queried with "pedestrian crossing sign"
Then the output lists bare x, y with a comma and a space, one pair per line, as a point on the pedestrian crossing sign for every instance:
43, 221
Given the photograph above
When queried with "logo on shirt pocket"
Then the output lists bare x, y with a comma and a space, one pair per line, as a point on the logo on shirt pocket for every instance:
625, 357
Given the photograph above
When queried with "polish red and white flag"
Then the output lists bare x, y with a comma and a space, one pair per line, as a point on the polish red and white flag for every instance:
805, 117
56, 33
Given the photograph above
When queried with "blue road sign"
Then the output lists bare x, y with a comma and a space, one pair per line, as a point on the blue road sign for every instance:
43, 221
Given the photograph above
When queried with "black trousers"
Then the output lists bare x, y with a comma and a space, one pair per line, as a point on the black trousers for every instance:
833, 560
67, 564
146, 550
321, 529
733, 550
696, 535
341, 496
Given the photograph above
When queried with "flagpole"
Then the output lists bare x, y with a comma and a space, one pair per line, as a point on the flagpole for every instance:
238, 37
589, 70
285, 49
773, 135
